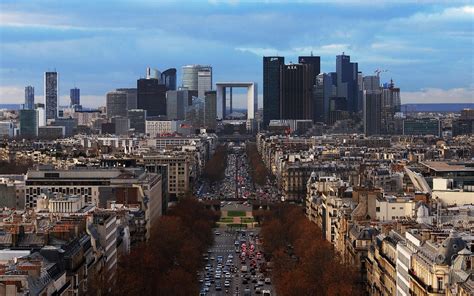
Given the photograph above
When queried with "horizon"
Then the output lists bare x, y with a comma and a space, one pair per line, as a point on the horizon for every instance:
425, 47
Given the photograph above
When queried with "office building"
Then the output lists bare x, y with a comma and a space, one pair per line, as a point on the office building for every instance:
422, 127
155, 128
176, 104
122, 125
137, 119
6, 129
296, 91
391, 104
347, 81
210, 110
191, 78
372, 111
271, 88
152, 73
314, 61
151, 96
69, 124
51, 132
29, 97
51, 91
131, 97
168, 78
116, 103
75, 96
204, 81
41, 114
28, 123
371, 82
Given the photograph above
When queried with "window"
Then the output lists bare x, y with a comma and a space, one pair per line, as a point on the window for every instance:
440, 283
377, 209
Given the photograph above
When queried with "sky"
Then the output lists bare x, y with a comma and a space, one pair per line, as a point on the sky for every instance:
426, 47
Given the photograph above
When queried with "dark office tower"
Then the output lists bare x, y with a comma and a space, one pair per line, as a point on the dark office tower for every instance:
116, 104
372, 112
296, 91
210, 109
271, 88
315, 61
347, 85
131, 97
137, 120
75, 96
28, 123
168, 78
51, 94
29, 97
151, 96
322, 92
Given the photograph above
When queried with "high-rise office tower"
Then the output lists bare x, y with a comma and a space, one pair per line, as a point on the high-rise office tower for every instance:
153, 73
28, 123
371, 82
51, 94
192, 80
322, 92
314, 61
271, 88
176, 104
75, 96
131, 97
204, 81
168, 78
347, 81
116, 103
151, 96
296, 91
29, 97
210, 110
372, 112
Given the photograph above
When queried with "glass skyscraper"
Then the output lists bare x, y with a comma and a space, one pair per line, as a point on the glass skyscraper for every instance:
271, 88
51, 94
75, 96
347, 81
29, 97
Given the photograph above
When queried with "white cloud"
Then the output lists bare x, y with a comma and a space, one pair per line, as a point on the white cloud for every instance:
12, 95
438, 95
328, 49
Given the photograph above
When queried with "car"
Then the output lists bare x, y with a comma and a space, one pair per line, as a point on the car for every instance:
226, 284
208, 284
268, 281
218, 287
217, 233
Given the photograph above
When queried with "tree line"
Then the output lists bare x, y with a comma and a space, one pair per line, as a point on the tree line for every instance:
214, 170
304, 263
167, 264
258, 170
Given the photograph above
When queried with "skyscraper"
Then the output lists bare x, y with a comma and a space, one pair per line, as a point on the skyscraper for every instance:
116, 103
131, 97
168, 78
192, 80
271, 88
314, 61
296, 91
51, 94
204, 81
29, 97
151, 96
176, 104
75, 96
210, 110
137, 120
372, 105
347, 81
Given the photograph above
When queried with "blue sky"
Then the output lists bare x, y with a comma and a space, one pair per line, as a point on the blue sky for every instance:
426, 46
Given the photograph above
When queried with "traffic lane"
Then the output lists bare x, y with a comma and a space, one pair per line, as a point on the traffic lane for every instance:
224, 246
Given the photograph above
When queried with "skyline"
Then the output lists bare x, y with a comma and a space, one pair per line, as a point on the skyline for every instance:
425, 46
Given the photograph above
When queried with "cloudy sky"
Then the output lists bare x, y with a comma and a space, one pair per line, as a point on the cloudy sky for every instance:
426, 46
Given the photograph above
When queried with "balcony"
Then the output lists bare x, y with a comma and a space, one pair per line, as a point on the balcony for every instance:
427, 288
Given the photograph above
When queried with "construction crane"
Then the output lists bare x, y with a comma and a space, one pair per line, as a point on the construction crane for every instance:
378, 71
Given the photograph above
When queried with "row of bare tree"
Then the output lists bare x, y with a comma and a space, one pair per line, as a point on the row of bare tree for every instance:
258, 169
214, 170
168, 262
303, 262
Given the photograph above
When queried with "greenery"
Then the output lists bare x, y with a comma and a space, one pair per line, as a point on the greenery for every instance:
236, 225
236, 213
